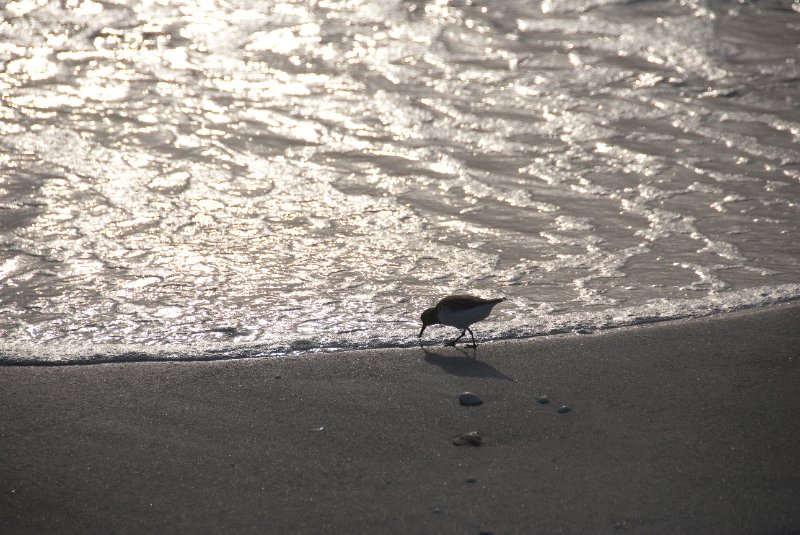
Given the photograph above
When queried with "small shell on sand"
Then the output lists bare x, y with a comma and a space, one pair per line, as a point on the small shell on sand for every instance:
564, 408
469, 399
473, 438
544, 400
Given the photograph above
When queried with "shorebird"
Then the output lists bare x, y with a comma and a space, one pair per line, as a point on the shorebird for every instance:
458, 311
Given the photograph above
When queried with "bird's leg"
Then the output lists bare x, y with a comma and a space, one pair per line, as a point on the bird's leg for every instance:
453, 343
474, 345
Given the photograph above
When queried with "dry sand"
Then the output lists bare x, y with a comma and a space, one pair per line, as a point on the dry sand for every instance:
679, 427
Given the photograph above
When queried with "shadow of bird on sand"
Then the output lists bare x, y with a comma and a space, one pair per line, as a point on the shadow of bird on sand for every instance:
463, 365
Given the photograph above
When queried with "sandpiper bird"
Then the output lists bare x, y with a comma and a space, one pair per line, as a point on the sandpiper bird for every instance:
459, 311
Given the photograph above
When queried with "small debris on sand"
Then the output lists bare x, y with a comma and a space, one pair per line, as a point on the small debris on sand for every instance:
469, 399
473, 438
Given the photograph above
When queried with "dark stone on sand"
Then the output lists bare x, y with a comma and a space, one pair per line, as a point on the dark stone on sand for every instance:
564, 408
471, 480
469, 399
473, 438
544, 400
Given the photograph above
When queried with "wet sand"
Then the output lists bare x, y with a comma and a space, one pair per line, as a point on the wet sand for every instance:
680, 427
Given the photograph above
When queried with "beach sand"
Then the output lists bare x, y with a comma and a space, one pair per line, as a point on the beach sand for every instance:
677, 427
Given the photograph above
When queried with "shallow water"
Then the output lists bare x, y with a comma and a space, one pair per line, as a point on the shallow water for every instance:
217, 179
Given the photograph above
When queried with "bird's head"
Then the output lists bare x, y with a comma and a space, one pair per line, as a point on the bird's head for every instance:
429, 317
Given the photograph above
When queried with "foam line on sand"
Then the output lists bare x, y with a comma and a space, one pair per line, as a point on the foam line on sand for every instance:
680, 427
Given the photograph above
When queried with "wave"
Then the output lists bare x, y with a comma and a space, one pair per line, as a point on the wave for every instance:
533, 325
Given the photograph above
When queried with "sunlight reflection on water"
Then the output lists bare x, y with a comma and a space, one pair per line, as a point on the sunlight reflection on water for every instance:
292, 175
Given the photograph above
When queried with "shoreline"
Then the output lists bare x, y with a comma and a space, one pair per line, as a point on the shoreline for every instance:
684, 426
116, 354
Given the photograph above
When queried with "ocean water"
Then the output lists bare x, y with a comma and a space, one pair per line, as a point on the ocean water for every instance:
216, 179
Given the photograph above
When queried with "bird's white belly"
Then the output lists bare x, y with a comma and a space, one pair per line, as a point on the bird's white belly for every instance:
464, 318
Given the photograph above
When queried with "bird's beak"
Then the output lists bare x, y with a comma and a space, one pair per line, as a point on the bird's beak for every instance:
422, 331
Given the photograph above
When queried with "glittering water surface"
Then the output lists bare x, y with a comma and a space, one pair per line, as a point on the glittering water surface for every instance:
214, 179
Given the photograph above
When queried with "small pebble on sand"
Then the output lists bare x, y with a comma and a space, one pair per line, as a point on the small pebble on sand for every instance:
544, 400
469, 399
471, 480
564, 408
473, 438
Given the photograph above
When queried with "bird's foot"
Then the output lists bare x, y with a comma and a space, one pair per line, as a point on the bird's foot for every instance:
450, 344
472, 346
